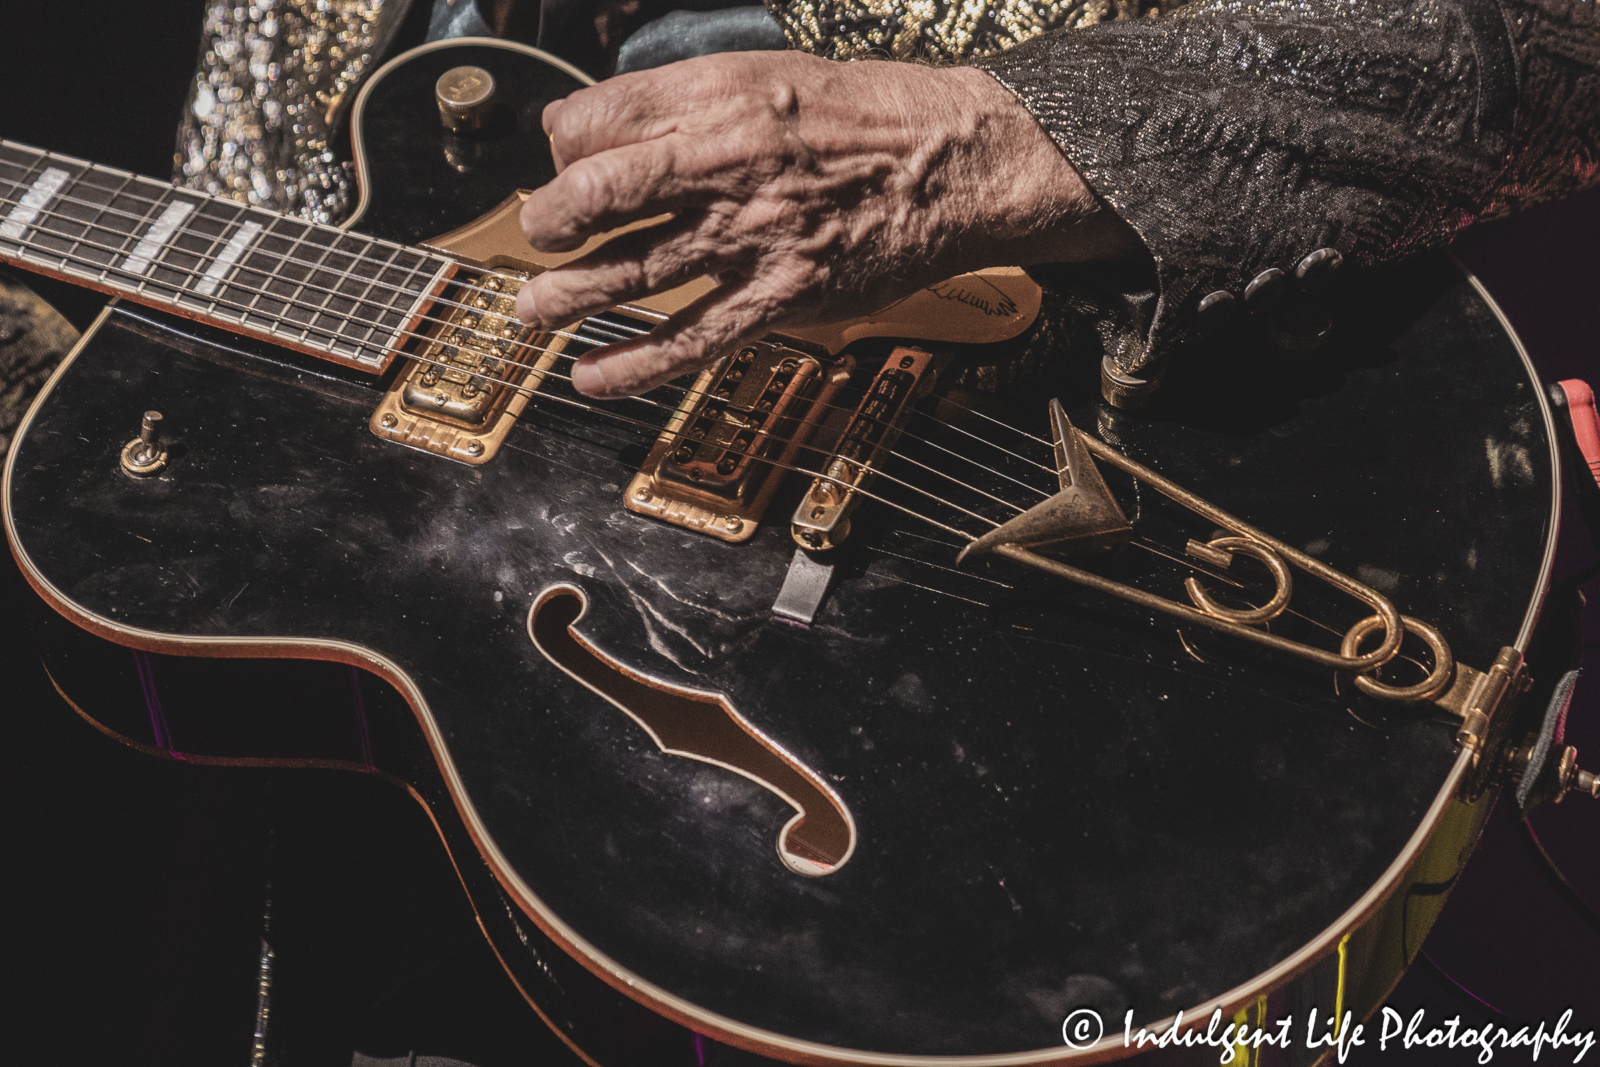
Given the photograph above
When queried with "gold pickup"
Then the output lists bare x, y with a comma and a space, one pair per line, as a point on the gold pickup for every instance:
470, 379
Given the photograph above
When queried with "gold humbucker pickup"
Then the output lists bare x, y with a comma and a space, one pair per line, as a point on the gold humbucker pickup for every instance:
463, 389
743, 423
822, 519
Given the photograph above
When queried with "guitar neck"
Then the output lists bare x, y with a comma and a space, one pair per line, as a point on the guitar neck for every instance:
314, 288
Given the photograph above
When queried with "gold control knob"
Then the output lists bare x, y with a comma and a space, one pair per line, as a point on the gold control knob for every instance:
466, 97
1121, 389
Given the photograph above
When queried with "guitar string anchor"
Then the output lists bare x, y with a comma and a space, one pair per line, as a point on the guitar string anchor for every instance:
1085, 519
146, 454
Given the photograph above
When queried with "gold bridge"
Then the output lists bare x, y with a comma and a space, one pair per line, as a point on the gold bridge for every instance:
822, 520
734, 434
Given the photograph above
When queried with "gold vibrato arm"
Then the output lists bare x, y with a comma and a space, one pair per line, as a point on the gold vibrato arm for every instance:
1083, 518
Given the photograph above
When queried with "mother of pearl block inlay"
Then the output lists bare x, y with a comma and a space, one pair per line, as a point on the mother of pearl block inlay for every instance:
156, 238
44, 188
241, 240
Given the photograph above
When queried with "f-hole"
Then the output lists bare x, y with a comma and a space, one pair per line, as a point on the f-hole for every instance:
702, 726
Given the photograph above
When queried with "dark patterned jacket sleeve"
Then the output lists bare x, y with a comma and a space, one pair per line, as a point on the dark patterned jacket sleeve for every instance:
1239, 137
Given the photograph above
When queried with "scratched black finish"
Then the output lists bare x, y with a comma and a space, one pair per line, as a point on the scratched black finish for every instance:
423, 181
1057, 803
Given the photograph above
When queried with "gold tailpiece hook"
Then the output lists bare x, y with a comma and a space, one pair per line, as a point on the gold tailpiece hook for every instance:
1084, 517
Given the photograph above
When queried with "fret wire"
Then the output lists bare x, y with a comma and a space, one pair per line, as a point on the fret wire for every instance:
395, 247
216, 243
226, 280
277, 272
413, 272
309, 330
404, 269
400, 334
14, 165
241, 270
316, 312
93, 222
159, 257
258, 294
415, 295
56, 245
370, 332
145, 222
29, 180
71, 244
94, 225
264, 291
357, 299
112, 196
337, 295
366, 296
175, 250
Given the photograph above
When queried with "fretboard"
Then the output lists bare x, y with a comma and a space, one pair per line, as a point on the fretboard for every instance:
314, 288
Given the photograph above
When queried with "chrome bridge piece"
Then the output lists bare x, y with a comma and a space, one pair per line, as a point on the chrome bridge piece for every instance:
745, 421
472, 374
822, 519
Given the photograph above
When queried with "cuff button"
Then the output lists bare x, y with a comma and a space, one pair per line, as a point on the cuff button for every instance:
1215, 311
1317, 270
1264, 290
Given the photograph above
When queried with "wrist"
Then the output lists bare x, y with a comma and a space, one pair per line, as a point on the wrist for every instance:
1026, 192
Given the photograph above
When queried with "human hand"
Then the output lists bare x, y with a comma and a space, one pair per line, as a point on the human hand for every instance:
809, 189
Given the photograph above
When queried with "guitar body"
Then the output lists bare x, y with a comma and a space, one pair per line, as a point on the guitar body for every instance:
1048, 799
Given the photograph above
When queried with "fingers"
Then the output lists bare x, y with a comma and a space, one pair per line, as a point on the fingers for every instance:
603, 117
716, 323
599, 193
631, 265
643, 105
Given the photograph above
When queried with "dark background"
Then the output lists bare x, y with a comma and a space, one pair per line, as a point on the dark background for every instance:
137, 887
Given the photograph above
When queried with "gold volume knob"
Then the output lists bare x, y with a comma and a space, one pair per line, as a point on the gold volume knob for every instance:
466, 97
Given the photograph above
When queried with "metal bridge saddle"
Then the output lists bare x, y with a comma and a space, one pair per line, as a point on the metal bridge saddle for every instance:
1084, 518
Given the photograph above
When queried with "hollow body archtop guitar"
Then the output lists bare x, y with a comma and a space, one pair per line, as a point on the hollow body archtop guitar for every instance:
704, 705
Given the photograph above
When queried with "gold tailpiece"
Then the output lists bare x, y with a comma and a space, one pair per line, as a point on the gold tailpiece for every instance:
1084, 518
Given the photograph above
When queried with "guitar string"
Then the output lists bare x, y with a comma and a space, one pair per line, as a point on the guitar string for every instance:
289, 301
751, 454
538, 430
591, 323
325, 310
655, 429
384, 265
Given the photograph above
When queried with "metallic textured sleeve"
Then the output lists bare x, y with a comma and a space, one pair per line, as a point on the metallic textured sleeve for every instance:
936, 30
275, 79
1239, 136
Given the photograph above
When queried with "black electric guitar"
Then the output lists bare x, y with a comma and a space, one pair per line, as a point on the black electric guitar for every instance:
707, 711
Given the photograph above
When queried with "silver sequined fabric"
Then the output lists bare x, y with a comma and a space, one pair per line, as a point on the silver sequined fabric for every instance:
275, 79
